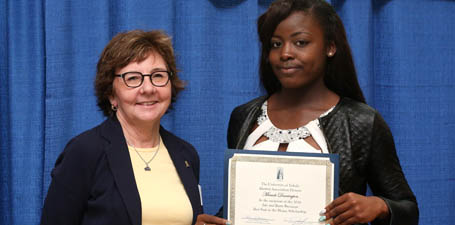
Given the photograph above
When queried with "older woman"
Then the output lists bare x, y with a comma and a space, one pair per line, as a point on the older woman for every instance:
128, 169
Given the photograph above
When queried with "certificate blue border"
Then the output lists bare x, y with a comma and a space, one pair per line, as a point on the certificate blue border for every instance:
334, 158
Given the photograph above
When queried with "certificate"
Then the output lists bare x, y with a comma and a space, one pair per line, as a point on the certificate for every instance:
264, 187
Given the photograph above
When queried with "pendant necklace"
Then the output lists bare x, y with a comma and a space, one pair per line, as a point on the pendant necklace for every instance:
147, 167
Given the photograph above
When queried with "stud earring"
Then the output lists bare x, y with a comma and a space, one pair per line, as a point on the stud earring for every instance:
330, 54
114, 108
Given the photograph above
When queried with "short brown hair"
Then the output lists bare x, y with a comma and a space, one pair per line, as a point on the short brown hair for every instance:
127, 47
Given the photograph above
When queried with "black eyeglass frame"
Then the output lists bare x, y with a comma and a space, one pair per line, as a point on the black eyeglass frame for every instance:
170, 74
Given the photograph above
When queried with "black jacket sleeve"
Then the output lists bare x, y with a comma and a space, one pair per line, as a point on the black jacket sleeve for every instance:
386, 178
69, 190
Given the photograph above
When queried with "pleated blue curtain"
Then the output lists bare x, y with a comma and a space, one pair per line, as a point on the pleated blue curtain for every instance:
404, 55
22, 111
403, 51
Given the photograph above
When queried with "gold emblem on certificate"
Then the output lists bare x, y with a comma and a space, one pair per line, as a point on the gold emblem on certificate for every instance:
278, 188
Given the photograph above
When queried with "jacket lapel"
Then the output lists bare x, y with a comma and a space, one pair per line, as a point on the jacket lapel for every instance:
122, 170
251, 114
331, 126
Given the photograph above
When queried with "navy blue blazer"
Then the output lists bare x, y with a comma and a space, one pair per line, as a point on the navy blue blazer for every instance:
93, 181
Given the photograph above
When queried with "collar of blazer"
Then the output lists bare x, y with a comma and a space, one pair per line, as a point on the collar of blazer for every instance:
120, 164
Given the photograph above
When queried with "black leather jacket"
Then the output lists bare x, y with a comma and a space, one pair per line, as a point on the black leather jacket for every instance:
366, 149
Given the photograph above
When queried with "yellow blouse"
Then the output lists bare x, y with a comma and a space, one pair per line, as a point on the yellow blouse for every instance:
163, 197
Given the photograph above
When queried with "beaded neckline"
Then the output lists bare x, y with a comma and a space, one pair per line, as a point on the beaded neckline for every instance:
282, 136
276, 134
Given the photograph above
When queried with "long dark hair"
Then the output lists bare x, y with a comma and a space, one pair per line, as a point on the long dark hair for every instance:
340, 76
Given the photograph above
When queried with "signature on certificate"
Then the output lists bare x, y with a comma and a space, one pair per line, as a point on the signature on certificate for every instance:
297, 221
257, 220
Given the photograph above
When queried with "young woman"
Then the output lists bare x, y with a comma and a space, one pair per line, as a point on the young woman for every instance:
308, 72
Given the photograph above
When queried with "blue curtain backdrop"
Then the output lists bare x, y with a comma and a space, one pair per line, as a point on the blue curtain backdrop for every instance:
404, 52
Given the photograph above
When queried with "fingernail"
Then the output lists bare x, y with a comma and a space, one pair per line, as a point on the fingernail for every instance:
322, 212
228, 222
322, 218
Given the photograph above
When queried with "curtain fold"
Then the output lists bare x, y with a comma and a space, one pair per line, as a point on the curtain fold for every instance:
4, 119
403, 52
23, 70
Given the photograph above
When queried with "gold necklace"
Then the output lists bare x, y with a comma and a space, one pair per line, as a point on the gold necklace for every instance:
147, 167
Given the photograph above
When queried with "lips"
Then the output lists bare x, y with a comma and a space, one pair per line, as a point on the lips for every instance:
288, 69
147, 103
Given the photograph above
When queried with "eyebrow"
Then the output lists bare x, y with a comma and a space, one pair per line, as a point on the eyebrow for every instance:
158, 69
296, 33
300, 32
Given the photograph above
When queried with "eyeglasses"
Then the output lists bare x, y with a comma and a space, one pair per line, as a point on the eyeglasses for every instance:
135, 79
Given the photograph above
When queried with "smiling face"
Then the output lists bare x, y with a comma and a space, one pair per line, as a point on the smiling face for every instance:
298, 52
145, 104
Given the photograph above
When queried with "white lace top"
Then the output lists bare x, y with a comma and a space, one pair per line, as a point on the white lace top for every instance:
294, 137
